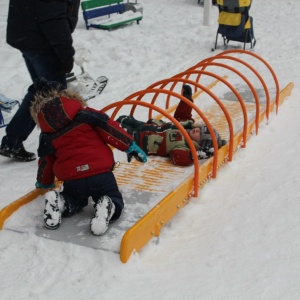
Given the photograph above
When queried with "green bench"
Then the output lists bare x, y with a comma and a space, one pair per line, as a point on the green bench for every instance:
118, 13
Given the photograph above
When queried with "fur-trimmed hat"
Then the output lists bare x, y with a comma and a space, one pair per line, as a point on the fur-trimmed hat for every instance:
54, 106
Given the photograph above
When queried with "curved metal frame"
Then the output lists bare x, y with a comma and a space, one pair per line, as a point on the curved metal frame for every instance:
118, 105
236, 93
140, 95
247, 82
207, 62
176, 80
265, 63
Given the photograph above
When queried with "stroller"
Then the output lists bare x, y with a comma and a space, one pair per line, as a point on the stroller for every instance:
235, 24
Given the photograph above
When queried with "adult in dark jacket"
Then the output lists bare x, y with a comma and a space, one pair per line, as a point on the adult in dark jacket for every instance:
74, 148
42, 31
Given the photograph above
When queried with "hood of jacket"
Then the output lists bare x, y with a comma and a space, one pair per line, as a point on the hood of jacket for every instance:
55, 109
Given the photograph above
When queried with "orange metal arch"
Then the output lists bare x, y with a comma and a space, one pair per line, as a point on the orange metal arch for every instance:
119, 104
205, 89
253, 70
247, 82
175, 80
243, 106
265, 63
152, 106
233, 89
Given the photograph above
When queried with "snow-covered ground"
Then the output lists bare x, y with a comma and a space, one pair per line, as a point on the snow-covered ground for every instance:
238, 239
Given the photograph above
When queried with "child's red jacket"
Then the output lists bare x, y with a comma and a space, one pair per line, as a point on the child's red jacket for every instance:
70, 148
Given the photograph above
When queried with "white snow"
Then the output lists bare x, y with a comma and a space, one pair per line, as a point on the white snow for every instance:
238, 240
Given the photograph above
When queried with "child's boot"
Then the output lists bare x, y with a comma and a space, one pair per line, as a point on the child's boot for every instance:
104, 210
54, 207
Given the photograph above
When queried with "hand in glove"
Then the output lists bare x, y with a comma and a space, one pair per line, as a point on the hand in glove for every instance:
137, 152
45, 186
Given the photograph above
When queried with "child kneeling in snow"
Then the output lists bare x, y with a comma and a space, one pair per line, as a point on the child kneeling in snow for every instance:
74, 147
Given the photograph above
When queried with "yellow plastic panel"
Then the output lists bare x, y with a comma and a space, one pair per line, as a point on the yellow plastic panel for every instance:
230, 19
150, 225
7, 211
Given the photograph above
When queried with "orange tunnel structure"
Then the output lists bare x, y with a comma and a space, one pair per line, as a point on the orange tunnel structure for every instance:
236, 119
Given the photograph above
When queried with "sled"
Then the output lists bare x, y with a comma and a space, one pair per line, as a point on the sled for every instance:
86, 85
83, 83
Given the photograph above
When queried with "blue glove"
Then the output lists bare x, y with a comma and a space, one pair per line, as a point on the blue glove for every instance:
45, 186
137, 152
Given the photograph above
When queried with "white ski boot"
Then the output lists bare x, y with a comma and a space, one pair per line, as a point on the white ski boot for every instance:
104, 210
54, 207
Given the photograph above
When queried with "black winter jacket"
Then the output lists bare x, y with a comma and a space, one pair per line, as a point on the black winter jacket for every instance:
43, 25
